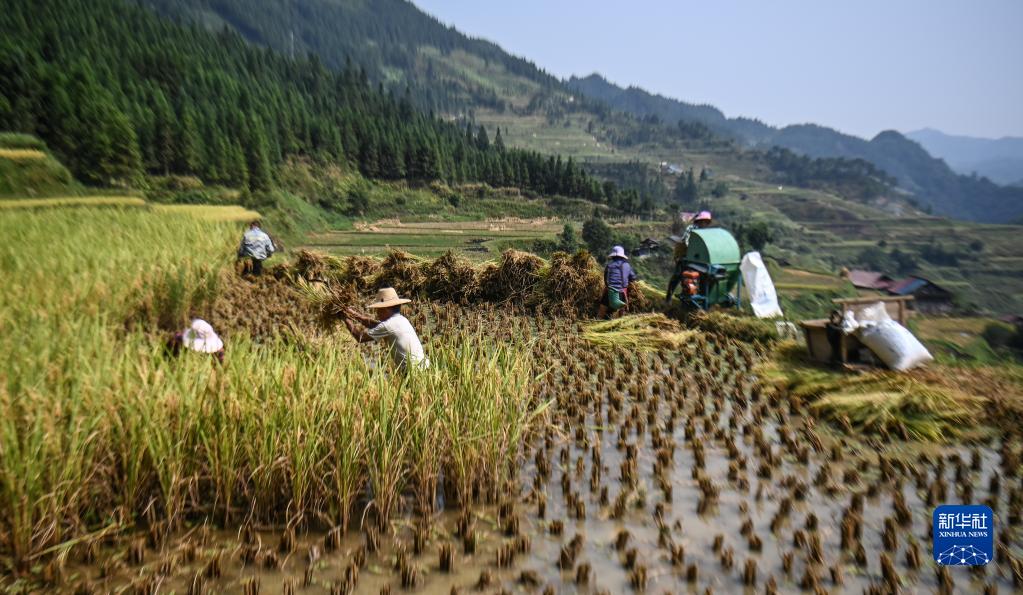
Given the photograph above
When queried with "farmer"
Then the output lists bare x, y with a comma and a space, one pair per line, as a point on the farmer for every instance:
702, 220
834, 331
256, 246
390, 327
199, 337
617, 275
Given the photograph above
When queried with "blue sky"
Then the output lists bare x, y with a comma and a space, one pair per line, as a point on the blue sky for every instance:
859, 66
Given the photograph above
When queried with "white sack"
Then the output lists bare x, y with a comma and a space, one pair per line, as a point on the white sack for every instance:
894, 345
876, 312
762, 295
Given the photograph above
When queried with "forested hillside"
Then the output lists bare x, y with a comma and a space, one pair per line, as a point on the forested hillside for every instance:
117, 92
409, 52
932, 182
382, 36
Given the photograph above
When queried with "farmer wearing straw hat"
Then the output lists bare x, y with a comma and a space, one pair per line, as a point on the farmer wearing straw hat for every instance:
199, 337
617, 275
702, 220
390, 327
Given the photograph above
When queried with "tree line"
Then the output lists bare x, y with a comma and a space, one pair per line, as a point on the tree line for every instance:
383, 36
118, 92
853, 178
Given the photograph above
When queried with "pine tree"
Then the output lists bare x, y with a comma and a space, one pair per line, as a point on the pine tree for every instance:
498, 141
482, 141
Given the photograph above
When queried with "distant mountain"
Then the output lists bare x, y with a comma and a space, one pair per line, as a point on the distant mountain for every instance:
445, 71
1000, 160
643, 103
931, 180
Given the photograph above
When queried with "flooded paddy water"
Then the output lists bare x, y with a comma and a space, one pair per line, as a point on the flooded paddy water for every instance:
655, 470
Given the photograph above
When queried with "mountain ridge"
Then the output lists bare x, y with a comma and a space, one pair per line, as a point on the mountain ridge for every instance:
929, 178
449, 72
998, 159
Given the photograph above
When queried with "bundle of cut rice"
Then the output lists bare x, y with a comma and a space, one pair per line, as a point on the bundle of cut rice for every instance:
402, 271
452, 278
646, 332
512, 279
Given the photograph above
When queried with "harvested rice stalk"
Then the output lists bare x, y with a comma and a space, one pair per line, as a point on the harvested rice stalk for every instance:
742, 328
316, 266
573, 282
402, 271
329, 300
452, 278
512, 278
647, 332
888, 403
361, 272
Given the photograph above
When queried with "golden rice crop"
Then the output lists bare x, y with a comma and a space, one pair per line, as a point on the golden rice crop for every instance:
22, 154
226, 213
71, 201
98, 425
647, 332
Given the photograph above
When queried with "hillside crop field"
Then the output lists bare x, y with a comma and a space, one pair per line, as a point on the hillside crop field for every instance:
479, 240
539, 449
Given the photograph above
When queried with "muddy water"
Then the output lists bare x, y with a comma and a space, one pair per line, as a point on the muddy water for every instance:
758, 494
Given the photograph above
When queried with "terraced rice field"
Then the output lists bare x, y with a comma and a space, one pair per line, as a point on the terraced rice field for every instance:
530, 457
225, 213
22, 154
479, 240
662, 471
71, 201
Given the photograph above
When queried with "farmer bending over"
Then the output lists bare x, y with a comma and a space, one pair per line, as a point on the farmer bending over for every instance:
390, 327
199, 337
256, 246
617, 275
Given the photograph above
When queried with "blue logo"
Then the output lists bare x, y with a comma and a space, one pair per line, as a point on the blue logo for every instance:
963, 535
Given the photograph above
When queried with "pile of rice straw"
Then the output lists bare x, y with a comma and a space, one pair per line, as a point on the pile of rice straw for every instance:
645, 332
453, 279
741, 328
569, 284
512, 278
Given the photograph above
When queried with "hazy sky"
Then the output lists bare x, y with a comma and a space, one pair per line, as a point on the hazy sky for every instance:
861, 66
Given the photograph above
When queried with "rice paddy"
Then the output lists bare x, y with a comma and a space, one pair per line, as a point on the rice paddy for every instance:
479, 240
71, 201
225, 213
22, 154
528, 458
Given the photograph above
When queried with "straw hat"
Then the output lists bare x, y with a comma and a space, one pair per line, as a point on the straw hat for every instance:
388, 298
619, 252
200, 336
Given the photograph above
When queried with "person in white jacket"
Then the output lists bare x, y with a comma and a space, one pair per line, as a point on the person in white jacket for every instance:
257, 246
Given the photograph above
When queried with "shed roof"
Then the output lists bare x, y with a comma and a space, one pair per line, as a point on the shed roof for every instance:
911, 285
869, 279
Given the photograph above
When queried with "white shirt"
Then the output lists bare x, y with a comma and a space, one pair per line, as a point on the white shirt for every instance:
402, 340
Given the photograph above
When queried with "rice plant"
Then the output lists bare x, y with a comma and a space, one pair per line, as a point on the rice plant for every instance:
100, 428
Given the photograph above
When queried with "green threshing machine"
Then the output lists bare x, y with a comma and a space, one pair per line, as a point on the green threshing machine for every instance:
710, 270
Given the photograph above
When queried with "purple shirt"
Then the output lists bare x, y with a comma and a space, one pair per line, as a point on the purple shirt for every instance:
618, 274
